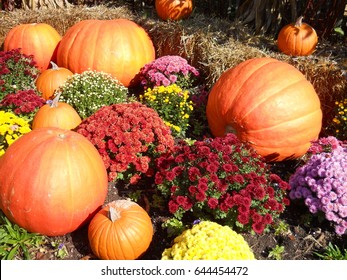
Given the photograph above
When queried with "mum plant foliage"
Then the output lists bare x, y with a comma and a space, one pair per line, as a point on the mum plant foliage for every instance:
198, 121
321, 183
17, 72
11, 128
24, 103
166, 70
221, 179
172, 104
129, 137
208, 240
89, 91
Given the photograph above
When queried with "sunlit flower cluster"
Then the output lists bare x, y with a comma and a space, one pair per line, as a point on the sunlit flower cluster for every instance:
24, 103
209, 241
324, 144
129, 137
11, 128
17, 72
90, 90
172, 104
221, 179
340, 119
322, 184
166, 70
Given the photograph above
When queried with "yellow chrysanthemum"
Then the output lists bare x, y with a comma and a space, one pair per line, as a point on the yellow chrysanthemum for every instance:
335, 120
172, 104
209, 241
11, 128
340, 119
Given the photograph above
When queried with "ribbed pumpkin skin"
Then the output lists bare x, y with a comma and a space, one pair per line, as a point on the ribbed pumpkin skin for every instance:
62, 116
269, 104
297, 39
50, 80
38, 39
119, 47
173, 9
126, 238
52, 181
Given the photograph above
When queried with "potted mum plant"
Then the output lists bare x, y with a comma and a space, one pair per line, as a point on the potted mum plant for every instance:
129, 137
221, 179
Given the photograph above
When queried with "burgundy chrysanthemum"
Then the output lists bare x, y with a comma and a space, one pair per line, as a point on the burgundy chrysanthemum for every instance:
220, 183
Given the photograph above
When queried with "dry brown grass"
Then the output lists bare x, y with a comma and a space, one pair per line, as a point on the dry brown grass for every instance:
212, 45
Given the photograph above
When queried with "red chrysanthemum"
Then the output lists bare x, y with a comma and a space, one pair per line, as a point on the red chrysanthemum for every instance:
222, 182
130, 137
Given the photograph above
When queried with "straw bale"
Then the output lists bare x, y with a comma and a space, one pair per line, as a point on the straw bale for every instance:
60, 19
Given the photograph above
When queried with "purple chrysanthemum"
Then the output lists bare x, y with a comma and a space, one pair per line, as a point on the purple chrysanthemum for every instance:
319, 180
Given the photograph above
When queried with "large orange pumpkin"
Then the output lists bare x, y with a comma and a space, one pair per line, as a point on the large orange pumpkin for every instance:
173, 9
122, 230
56, 114
299, 39
37, 39
52, 181
51, 79
269, 104
119, 47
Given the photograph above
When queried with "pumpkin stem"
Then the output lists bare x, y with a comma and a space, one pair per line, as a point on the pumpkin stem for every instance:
54, 66
298, 22
55, 100
113, 214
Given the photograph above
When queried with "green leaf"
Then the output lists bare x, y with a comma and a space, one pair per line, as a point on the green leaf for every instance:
339, 31
12, 241
16, 241
12, 253
25, 251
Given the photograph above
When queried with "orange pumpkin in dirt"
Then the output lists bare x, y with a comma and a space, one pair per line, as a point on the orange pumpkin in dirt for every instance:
119, 47
174, 9
51, 79
52, 181
37, 39
299, 39
56, 114
269, 104
122, 230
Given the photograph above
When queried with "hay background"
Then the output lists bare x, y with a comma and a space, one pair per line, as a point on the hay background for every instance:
209, 43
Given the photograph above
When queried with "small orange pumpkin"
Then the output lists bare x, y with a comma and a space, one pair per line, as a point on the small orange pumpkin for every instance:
122, 230
269, 104
56, 114
299, 39
52, 181
37, 39
174, 9
51, 79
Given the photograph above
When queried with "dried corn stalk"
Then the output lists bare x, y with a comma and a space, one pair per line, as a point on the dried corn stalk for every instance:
266, 15
38, 4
